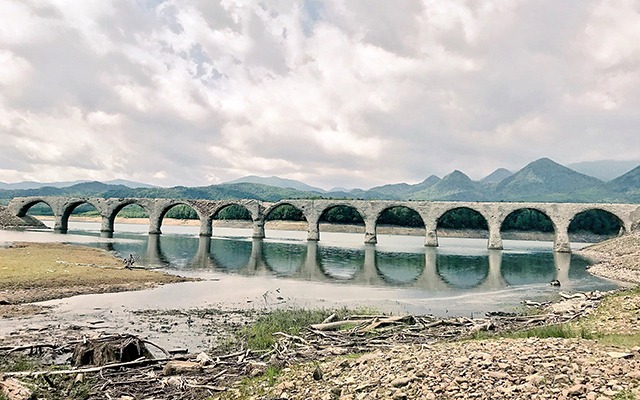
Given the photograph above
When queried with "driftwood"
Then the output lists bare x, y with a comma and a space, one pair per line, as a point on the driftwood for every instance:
134, 363
203, 375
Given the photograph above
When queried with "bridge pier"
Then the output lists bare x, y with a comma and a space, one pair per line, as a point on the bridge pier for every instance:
313, 232
258, 229
155, 220
106, 228
431, 234
495, 239
60, 224
206, 228
370, 236
561, 243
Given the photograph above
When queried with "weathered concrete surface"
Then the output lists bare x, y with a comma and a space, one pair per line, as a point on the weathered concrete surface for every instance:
8, 220
560, 214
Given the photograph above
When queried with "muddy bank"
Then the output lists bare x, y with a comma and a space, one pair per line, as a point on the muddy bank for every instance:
34, 272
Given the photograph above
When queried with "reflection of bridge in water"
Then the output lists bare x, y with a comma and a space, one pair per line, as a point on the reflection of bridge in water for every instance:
368, 266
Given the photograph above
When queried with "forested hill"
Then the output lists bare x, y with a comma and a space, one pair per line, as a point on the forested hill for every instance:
541, 180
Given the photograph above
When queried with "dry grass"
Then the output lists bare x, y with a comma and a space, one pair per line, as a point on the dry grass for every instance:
43, 271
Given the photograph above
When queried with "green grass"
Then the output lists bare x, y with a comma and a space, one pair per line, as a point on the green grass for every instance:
259, 336
624, 395
547, 331
618, 340
19, 364
271, 374
553, 331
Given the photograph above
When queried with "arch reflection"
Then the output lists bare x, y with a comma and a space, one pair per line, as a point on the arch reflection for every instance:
535, 269
340, 263
432, 271
233, 255
284, 259
154, 257
462, 272
400, 268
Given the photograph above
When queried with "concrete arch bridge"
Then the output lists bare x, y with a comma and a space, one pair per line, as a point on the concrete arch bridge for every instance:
494, 213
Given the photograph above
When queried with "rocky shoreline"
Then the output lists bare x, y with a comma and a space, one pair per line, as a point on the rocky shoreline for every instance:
532, 368
617, 259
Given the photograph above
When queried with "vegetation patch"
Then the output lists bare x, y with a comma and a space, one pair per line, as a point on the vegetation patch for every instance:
260, 336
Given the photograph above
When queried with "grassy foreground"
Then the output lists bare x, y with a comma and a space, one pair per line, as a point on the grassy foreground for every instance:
43, 271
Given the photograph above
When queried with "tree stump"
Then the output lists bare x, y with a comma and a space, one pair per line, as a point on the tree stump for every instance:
109, 350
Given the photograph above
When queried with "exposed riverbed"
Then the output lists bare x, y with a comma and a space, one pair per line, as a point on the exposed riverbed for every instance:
241, 275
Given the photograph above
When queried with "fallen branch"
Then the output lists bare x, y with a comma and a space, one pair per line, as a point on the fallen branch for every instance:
143, 361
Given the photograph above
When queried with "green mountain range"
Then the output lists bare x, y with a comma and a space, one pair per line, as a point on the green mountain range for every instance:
541, 180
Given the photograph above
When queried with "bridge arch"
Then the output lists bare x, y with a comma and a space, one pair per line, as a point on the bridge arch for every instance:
359, 217
23, 208
285, 211
530, 216
399, 215
463, 217
69, 207
242, 210
163, 208
111, 211
597, 221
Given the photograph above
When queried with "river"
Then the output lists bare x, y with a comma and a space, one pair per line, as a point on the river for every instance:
399, 274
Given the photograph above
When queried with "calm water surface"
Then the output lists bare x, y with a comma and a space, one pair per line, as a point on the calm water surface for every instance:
461, 277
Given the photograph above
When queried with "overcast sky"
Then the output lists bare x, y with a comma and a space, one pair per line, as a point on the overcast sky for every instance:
333, 93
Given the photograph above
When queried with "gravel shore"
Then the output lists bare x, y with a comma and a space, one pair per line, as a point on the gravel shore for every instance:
617, 259
487, 369
503, 368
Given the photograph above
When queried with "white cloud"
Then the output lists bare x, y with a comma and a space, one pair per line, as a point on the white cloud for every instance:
337, 93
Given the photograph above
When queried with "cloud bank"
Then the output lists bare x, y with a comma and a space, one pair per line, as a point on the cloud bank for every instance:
334, 93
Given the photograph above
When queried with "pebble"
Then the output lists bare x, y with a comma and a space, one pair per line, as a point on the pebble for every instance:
522, 368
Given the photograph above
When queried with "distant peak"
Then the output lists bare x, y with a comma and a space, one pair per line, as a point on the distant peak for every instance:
544, 161
431, 179
497, 176
456, 174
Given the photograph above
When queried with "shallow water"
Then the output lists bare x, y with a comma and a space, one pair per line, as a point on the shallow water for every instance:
460, 277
